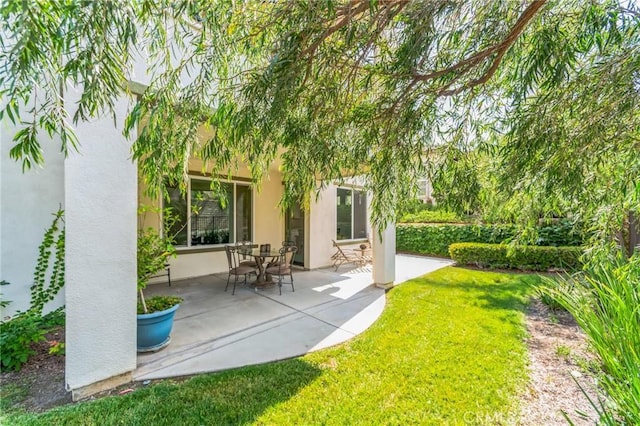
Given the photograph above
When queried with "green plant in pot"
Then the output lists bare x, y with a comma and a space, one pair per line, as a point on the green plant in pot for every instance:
155, 314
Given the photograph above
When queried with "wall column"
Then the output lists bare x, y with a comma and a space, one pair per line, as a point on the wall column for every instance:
384, 256
101, 199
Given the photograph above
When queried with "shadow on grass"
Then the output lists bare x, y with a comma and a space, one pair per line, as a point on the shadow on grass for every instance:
230, 397
492, 290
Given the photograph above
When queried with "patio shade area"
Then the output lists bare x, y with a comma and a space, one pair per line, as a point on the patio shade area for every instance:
214, 330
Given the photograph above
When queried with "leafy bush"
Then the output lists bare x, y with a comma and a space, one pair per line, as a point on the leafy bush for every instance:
16, 338
432, 216
563, 233
153, 253
54, 318
18, 334
604, 300
154, 250
158, 303
412, 206
435, 240
532, 258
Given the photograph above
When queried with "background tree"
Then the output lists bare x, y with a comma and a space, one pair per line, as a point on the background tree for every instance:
548, 89
343, 87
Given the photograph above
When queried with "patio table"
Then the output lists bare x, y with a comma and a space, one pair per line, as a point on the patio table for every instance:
364, 255
260, 257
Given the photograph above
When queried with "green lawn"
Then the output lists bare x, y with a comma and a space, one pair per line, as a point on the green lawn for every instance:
448, 349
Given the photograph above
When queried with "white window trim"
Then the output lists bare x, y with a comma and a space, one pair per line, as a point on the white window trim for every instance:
425, 196
235, 183
352, 189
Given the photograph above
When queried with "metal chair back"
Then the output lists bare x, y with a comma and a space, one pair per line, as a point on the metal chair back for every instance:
232, 258
287, 253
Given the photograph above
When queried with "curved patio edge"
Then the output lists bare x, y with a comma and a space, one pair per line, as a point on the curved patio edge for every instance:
327, 308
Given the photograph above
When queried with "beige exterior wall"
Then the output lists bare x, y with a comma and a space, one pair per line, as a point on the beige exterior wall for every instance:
267, 217
322, 229
268, 226
322, 225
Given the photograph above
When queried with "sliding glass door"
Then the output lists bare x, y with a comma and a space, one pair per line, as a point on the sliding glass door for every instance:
294, 231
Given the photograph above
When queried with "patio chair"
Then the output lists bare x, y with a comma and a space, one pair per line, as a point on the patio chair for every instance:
164, 273
244, 258
283, 266
236, 268
276, 260
342, 256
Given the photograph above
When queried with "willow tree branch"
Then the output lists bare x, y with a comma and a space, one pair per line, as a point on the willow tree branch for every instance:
383, 18
347, 15
503, 46
502, 49
465, 66
354, 8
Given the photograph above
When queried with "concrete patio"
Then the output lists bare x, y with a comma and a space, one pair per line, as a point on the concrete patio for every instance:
214, 330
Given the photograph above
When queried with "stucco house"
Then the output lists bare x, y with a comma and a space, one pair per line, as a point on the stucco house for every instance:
205, 224
425, 191
99, 190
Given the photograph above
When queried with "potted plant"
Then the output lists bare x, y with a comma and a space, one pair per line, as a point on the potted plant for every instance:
155, 315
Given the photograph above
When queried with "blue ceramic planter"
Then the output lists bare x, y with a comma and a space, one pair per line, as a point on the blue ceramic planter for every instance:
154, 329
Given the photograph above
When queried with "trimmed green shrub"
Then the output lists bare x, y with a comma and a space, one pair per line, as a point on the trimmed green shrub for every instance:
435, 239
530, 258
432, 216
563, 233
413, 206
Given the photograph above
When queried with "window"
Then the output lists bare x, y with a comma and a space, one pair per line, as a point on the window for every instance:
425, 191
205, 218
351, 208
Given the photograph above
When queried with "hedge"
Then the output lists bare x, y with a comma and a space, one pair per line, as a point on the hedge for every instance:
530, 258
435, 239
432, 216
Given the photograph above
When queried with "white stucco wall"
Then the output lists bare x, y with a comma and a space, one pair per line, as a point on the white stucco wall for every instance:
101, 212
323, 223
384, 256
27, 202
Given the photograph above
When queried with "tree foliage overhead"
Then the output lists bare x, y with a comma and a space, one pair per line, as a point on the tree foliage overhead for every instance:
548, 87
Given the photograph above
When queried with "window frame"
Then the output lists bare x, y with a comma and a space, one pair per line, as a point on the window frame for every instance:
235, 182
366, 214
425, 194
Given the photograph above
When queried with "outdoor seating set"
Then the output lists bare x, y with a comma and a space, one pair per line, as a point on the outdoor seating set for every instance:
359, 257
245, 259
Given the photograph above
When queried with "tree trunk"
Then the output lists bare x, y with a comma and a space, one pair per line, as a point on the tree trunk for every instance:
634, 232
